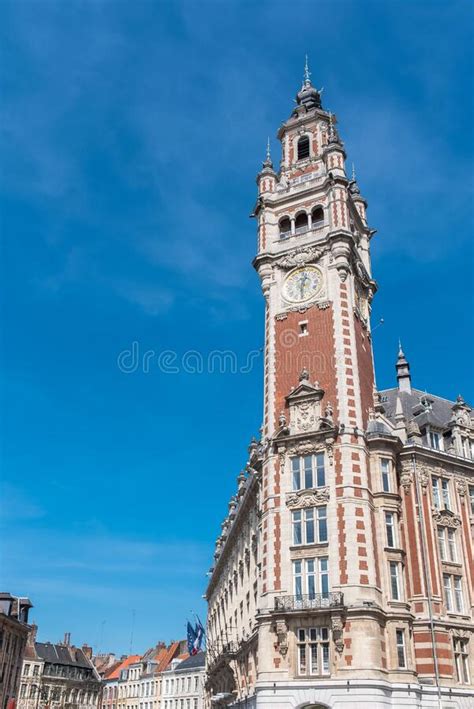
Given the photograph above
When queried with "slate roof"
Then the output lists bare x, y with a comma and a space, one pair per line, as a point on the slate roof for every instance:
194, 662
438, 413
62, 655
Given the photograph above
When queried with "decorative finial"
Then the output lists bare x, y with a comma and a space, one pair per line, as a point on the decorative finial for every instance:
400, 350
331, 126
353, 173
268, 158
304, 375
307, 73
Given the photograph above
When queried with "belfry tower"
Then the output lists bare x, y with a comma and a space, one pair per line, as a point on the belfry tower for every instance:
322, 583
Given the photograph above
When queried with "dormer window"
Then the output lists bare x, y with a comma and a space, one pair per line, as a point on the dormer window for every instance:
317, 217
303, 147
285, 228
434, 439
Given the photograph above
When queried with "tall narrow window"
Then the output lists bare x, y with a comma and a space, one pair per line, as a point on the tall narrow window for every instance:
401, 652
434, 440
395, 585
390, 529
458, 599
285, 228
321, 513
453, 593
303, 147
461, 659
301, 223
297, 528
452, 545
385, 470
298, 578
317, 217
441, 497
323, 576
309, 526
313, 651
471, 498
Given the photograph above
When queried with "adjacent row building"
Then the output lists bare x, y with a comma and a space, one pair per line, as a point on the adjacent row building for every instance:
58, 676
343, 573
14, 631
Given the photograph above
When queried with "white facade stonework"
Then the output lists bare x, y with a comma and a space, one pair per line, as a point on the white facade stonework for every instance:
343, 575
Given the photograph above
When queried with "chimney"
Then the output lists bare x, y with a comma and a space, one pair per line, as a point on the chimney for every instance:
67, 639
87, 650
32, 634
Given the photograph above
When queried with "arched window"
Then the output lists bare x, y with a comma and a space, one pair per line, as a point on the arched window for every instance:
301, 223
285, 228
303, 147
317, 217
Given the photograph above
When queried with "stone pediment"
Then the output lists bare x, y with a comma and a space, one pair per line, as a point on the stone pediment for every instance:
446, 518
305, 391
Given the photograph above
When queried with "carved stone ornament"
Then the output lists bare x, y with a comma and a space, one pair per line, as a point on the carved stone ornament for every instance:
446, 518
304, 416
281, 631
307, 498
406, 479
305, 448
299, 257
461, 486
337, 627
424, 478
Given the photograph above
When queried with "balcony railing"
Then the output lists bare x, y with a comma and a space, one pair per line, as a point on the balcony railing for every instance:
309, 602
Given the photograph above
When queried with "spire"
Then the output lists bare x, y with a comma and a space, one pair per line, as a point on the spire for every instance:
308, 97
267, 163
307, 73
403, 371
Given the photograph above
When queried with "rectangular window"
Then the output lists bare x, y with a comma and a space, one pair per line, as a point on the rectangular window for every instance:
311, 577
461, 659
401, 653
308, 471
395, 577
321, 514
313, 651
385, 471
390, 529
447, 544
297, 527
453, 593
26, 669
452, 556
441, 497
310, 525
434, 440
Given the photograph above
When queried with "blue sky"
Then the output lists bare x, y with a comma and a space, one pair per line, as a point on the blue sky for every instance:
131, 135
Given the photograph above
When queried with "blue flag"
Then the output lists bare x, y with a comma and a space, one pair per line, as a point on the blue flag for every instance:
192, 638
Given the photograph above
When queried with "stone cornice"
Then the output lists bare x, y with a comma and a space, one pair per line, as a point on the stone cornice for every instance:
433, 456
252, 488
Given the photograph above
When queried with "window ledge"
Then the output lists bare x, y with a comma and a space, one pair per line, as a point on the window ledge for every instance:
313, 545
395, 550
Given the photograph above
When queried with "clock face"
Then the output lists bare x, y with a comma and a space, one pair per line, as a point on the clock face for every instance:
302, 284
